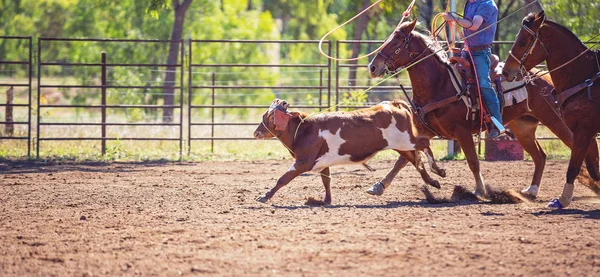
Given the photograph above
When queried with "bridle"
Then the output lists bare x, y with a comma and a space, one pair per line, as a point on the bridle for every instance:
536, 38
389, 61
271, 110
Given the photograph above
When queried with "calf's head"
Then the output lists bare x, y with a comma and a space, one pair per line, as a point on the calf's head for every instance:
275, 120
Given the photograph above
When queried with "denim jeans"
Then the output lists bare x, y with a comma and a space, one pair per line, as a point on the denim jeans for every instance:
481, 61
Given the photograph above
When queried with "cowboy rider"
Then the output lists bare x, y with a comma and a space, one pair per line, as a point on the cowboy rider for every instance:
478, 15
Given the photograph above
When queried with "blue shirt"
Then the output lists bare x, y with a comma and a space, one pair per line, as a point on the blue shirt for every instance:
489, 12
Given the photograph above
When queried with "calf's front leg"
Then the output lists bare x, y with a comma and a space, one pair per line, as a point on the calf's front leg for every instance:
298, 168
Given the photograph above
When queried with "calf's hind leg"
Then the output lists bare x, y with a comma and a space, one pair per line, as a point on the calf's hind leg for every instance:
405, 157
432, 164
326, 178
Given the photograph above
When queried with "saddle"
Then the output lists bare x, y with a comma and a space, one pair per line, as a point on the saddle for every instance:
465, 68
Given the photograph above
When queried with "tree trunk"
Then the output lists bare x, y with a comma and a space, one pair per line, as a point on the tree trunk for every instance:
169, 91
361, 26
426, 12
503, 14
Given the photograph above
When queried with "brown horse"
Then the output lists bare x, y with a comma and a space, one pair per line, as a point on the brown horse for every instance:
433, 91
573, 68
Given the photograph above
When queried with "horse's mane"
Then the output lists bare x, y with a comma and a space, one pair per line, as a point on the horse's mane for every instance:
433, 45
531, 17
427, 39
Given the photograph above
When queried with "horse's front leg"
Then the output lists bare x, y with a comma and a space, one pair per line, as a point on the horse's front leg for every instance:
298, 168
582, 140
592, 162
465, 139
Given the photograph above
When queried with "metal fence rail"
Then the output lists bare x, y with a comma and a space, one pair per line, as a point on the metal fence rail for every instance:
27, 40
212, 88
104, 106
323, 87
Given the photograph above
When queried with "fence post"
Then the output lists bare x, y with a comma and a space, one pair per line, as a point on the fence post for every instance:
212, 126
10, 128
103, 92
320, 89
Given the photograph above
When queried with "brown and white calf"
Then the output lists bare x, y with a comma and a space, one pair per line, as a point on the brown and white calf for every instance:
319, 141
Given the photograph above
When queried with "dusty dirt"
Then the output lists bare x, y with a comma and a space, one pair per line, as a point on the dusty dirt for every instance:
172, 219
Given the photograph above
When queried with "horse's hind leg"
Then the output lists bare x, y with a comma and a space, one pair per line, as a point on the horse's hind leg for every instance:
524, 129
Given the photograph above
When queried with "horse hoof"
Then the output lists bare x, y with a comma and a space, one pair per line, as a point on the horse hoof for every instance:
262, 199
531, 191
482, 196
376, 189
555, 204
442, 173
435, 184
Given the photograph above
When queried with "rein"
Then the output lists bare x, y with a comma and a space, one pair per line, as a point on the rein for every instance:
416, 60
567, 93
531, 47
389, 61
405, 14
535, 76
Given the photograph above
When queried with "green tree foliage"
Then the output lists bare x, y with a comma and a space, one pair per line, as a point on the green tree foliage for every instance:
580, 16
230, 19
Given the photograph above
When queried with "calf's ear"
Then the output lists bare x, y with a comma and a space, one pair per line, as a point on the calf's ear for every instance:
281, 120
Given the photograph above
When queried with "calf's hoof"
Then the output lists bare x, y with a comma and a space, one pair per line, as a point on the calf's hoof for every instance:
376, 189
262, 199
555, 204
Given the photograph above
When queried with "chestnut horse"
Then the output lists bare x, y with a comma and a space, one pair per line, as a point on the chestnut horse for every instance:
575, 72
432, 85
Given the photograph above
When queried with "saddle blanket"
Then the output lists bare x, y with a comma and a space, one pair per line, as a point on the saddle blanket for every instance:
514, 92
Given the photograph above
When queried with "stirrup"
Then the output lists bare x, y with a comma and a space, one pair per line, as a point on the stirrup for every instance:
498, 125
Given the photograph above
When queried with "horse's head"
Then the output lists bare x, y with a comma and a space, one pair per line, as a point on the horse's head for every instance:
528, 49
397, 51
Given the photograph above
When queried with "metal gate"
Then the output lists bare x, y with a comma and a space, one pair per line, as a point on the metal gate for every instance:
7, 67
100, 103
215, 87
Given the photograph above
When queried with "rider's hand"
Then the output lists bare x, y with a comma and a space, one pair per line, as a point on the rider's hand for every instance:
449, 17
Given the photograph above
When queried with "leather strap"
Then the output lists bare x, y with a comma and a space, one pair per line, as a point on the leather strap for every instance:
480, 47
566, 94
436, 105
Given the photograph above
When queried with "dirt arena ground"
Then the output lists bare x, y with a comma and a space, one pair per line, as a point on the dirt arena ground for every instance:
171, 219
